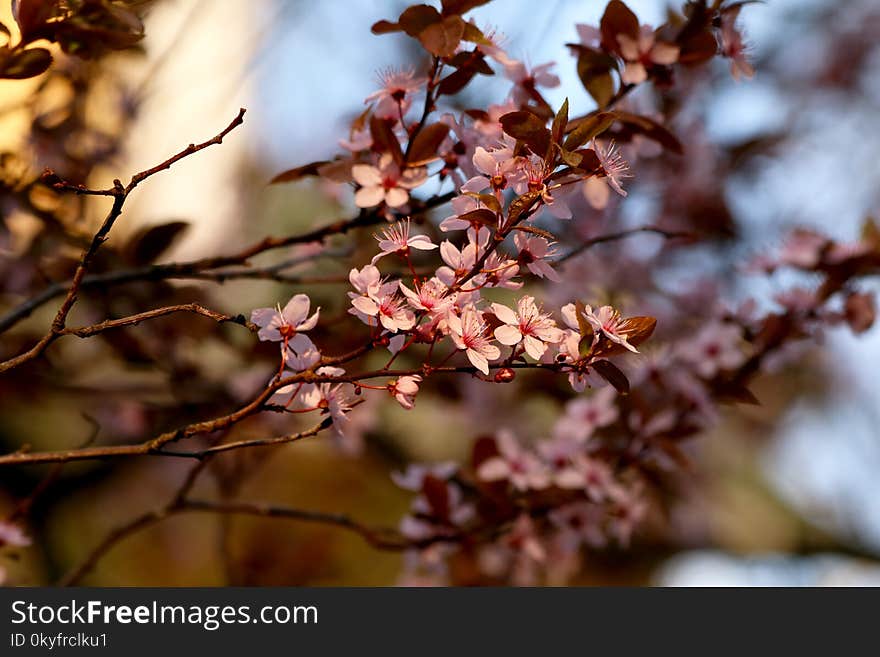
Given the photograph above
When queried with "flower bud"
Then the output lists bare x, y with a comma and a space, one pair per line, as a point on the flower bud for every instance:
505, 375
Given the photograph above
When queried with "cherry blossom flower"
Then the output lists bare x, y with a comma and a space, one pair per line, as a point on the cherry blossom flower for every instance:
527, 325
579, 523
396, 239
413, 478
383, 304
288, 324
395, 97
496, 167
803, 248
734, 47
385, 183
460, 205
516, 464
583, 415
614, 168
430, 297
11, 534
405, 389
500, 271
589, 35
642, 53
458, 262
332, 398
607, 321
527, 81
468, 332
490, 125
533, 252
717, 346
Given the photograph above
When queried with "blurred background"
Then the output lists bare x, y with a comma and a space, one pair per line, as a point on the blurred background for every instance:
784, 494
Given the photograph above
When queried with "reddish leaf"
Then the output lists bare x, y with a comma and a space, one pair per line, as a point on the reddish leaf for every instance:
560, 121
488, 200
384, 139
650, 129
612, 374
414, 20
24, 63
529, 129
310, 169
697, 48
586, 129
151, 242
520, 205
617, 19
442, 38
437, 493
484, 449
480, 216
534, 230
460, 7
424, 147
594, 70
385, 27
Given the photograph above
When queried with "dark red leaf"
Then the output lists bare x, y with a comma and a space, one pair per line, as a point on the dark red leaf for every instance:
424, 147
529, 129
617, 19
612, 374
310, 169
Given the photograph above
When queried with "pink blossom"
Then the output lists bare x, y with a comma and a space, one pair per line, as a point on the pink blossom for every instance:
803, 248
430, 297
527, 325
458, 262
413, 478
395, 97
642, 53
405, 389
716, 347
607, 321
384, 305
527, 81
584, 415
496, 166
396, 239
579, 523
520, 466
533, 253
11, 534
500, 271
614, 168
734, 47
287, 325
469, 333
385, 183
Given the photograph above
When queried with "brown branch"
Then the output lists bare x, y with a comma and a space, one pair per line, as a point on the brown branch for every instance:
202, 269
132, 320
612, 237
119, 194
